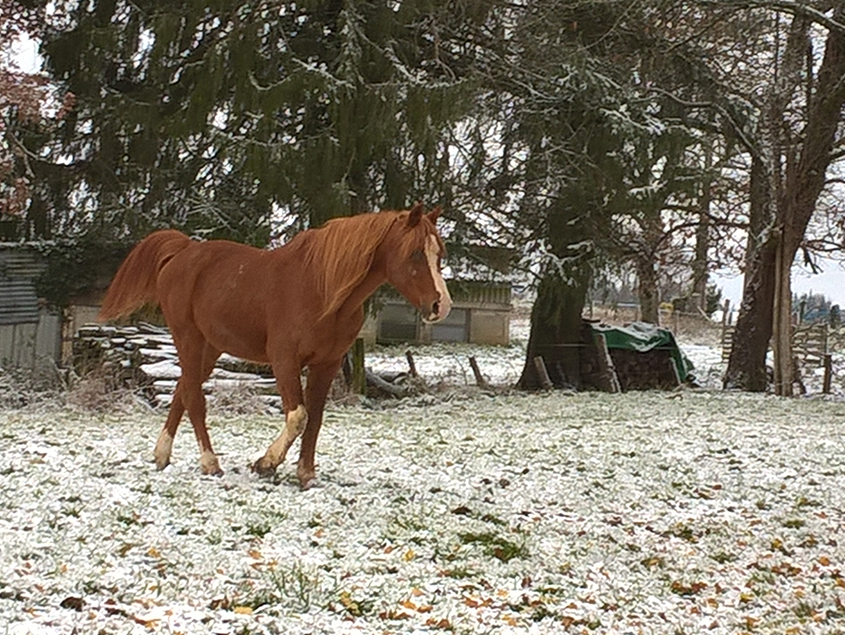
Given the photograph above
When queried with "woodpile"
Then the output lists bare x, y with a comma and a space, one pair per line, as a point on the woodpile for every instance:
649, 370
143, 357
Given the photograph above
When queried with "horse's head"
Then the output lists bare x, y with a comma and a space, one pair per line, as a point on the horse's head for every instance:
413, 262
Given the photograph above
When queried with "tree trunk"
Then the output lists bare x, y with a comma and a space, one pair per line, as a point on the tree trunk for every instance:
747, 363
770, 260
555, 334
702, 234
782, 322
556, 315
647, 291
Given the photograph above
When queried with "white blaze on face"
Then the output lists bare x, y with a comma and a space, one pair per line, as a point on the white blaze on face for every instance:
432, 255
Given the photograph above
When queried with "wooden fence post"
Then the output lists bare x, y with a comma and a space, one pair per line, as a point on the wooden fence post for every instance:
479, 378
411, 365
359, 374
828, 373
609, 379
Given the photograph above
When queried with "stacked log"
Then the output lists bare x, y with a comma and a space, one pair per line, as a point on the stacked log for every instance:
143, 357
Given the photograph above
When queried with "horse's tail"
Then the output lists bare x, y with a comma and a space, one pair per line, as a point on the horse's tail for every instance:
134, 285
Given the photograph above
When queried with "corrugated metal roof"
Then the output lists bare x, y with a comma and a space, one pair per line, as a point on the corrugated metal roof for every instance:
17, 263
19, 269
18, 302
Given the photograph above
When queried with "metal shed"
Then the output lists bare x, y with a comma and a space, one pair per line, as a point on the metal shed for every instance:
29, 330
480, 314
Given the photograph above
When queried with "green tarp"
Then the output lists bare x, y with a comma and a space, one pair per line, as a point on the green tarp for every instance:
642, 337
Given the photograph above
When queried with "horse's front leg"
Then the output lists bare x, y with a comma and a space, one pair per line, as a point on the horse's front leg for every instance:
296, 418
319, 381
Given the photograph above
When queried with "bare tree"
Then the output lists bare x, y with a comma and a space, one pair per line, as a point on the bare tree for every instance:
791, 154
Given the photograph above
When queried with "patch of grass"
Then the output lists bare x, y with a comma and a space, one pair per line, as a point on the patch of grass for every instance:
493, 520
297, 588
653, 562
73, 512
462, 572
761, 577
683, 531
804, 610
355, 606
258, 529
686, 590
215, 536
723, 557
129, 518
494, 545
409, 523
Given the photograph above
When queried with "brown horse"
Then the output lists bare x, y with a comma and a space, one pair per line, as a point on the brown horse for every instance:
297, 306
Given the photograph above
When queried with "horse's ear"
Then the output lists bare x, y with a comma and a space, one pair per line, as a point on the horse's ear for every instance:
434, 214
415, 215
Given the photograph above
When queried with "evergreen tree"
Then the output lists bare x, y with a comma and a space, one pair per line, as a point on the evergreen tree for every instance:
213, 117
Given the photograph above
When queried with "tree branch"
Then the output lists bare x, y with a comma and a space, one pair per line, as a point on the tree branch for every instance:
786, 6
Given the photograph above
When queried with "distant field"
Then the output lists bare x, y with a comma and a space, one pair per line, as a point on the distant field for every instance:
682, 512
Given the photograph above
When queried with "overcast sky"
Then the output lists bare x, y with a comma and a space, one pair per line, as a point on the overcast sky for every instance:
831, 282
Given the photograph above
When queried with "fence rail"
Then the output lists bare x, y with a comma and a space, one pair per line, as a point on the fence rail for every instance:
810, 342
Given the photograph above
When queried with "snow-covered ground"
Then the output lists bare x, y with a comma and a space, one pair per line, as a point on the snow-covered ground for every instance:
457, 511
502, 365
686, 512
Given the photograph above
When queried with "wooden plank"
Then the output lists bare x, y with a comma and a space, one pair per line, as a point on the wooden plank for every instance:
828, 373
412, 367
48, 337
542, 373
607, 373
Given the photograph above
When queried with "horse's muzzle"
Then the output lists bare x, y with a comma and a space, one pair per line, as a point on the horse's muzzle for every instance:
438, 310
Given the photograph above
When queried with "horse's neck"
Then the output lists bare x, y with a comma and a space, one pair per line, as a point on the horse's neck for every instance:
375, 277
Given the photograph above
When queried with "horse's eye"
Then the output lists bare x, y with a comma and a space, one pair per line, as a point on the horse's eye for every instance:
417, 256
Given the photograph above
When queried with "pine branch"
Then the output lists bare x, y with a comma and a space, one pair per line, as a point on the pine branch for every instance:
786, 6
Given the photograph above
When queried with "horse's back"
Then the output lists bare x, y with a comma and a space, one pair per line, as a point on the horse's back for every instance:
219, 288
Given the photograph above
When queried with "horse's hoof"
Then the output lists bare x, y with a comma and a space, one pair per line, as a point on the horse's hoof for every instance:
209, 464
307, 479
264, 467
309, 483
160, 465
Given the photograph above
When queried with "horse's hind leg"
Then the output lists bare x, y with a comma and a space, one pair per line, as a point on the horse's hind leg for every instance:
296, 417
197, 364
164, 445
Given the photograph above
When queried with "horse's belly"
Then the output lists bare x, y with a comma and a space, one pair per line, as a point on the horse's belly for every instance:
239, 340
234, 327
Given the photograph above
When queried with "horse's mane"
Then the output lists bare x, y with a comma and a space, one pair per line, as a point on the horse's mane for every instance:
342, 253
